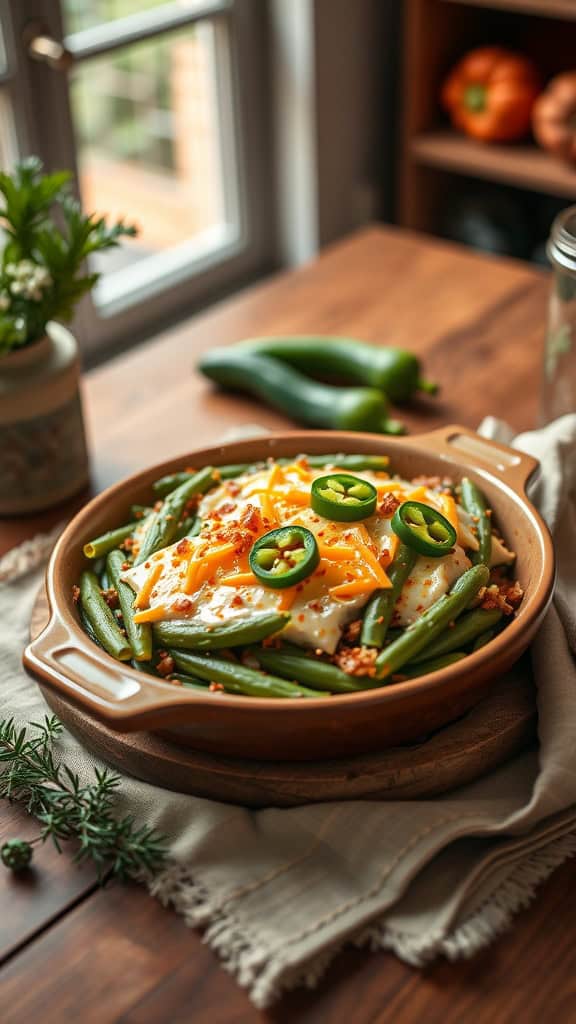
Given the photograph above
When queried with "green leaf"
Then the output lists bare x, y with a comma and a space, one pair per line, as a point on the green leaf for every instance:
43, 223
66, 810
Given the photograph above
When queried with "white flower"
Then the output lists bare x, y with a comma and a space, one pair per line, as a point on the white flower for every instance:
29, 279
24, 269
41, 277
4, 302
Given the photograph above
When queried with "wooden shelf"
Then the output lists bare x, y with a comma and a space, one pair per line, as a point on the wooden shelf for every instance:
545, 8
524, 166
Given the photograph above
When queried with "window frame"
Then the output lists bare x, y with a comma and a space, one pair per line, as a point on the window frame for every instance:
39, 93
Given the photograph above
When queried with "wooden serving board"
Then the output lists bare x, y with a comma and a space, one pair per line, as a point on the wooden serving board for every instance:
498, 727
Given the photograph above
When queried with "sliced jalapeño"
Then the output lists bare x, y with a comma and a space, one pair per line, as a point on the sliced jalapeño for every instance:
343, 498
284, 556
424, 529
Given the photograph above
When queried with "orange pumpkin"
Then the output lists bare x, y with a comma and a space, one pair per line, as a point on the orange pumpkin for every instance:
554, 117
490, 94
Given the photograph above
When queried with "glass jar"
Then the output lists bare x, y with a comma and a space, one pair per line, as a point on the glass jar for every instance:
559, 377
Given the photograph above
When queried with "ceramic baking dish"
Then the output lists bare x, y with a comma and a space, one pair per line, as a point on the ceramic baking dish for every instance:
64, 659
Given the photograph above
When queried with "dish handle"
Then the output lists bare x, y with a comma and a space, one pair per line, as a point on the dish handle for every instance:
108, 689
454, 442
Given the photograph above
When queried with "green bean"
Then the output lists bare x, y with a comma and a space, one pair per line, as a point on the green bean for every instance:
101, 618
380, 608
195, 527
140, 511
139, 633
432, 623
87, 627
108, 541
319, 675
168, 483
423, 668
194, 636
483, 639
189, 527
376, 463
236, 678
474, 502
468, 627
190, 682
164, 523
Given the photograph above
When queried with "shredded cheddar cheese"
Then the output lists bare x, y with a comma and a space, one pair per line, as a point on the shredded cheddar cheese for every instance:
451, 512
155, 614
352, 588
240, 579
142, 599
287, 599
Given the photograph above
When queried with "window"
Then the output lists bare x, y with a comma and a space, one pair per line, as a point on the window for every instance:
159, 108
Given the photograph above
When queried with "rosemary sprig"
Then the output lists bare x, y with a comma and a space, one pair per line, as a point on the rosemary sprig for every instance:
67, 810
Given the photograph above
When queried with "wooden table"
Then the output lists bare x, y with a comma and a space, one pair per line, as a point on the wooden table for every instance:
74, 952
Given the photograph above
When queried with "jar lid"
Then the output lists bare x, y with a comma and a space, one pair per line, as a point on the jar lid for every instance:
561, 246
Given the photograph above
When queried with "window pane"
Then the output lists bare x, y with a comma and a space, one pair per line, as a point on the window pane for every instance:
81, 14
149, 145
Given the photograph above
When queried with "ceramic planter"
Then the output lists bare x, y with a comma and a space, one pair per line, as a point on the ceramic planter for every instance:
43, 457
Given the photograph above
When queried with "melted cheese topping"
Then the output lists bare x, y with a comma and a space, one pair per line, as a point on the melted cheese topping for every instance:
207, 578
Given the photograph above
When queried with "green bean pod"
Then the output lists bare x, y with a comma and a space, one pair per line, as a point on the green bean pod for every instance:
168, 483
380, 608
190, 682
423, 668
101, 618
192, 636
474, 502
319, 675
395, 371
483, 639
87, 627
236, 678
140, 512
305, 400
468, 628
108, 541
374, 463
139, 633
432, 623
164, 524
189, 527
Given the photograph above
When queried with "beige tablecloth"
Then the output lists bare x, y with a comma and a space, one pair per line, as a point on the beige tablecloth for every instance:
279, 892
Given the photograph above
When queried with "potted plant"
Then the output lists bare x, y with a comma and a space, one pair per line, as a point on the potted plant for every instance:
43, 275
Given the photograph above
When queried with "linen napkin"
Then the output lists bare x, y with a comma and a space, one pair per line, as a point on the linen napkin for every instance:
280, 891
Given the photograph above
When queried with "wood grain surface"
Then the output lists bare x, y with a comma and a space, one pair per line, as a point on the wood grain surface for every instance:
76, 953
